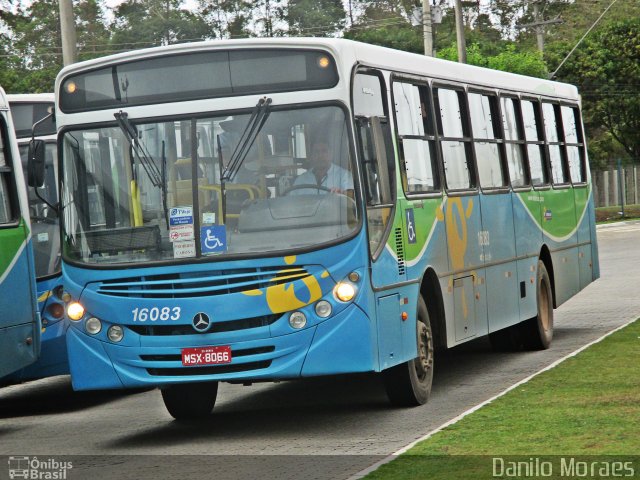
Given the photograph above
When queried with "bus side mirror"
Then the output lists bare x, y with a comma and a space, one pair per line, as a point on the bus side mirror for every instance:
36, 163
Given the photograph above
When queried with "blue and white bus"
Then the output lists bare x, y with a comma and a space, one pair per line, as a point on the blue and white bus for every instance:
19, 321
267, 209
33, 118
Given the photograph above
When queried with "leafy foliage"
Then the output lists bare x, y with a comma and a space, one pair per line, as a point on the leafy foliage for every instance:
509, 60
315, 18
143, 23
607, 71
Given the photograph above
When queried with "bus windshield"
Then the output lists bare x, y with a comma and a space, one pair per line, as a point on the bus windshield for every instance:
44, 220
156, 194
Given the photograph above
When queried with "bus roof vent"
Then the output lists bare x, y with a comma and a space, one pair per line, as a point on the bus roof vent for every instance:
400, 251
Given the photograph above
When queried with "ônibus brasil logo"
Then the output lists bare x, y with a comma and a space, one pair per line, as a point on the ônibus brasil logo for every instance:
36, 469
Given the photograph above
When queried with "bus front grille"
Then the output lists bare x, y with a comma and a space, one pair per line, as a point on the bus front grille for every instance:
209, 370
201, 284
216, 327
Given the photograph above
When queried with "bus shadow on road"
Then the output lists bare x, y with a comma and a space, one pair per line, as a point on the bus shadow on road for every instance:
304, 407
52, 396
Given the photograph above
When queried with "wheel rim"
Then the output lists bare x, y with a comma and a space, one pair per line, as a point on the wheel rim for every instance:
424, 362
545, 317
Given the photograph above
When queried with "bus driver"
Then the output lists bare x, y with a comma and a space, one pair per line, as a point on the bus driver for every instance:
324, 173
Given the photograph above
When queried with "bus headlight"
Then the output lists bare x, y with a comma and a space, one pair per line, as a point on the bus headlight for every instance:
75, 311
344, 291
323, 309
93, 326
297, 320
115, 333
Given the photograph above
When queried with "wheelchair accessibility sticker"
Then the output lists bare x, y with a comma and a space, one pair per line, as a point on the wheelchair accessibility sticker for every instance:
411, 226
213, 239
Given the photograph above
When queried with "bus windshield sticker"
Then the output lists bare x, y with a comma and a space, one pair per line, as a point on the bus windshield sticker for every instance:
213, 239
209, 217
179, 233
184, 249
181, 216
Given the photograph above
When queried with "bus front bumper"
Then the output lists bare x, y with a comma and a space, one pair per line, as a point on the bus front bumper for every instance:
341, 344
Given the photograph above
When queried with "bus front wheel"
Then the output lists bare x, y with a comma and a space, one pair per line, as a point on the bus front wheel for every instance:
409, 384
190, 401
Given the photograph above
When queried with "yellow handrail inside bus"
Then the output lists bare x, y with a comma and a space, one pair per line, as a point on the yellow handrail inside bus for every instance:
136, 205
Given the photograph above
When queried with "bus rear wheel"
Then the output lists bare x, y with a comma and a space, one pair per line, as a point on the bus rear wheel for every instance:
538, 331
190, 401
409, 384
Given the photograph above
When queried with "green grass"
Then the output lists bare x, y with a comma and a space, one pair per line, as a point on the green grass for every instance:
588, 405
612, 214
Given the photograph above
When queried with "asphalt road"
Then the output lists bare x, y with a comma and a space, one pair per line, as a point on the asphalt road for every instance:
320, 429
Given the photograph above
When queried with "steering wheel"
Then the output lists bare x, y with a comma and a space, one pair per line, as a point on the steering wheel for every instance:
308, 186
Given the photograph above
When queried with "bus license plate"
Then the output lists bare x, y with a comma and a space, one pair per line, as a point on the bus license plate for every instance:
206, 355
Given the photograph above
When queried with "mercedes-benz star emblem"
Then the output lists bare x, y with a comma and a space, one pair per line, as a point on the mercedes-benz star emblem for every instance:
201, 322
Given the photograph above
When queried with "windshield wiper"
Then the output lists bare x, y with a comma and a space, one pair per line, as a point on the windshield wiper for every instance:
142, 154
249, 134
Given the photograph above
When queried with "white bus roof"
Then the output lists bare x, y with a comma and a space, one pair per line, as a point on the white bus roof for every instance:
31, 97
348, 53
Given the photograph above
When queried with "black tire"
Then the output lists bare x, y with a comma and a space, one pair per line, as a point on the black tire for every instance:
409, 384
538, 331
190, 401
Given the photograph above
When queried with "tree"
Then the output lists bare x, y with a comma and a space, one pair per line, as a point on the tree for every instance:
606, 69
228, 18
33, 47
401, 36
315, 18
509, 60
145, 23
92, 33
386, 23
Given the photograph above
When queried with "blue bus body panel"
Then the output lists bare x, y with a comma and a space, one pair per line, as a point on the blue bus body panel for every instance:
253, 322
53, 354
19, 322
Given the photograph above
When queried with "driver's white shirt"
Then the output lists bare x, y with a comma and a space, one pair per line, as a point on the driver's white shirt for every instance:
336, 177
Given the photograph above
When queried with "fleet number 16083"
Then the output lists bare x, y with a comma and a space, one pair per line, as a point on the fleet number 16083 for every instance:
156, 313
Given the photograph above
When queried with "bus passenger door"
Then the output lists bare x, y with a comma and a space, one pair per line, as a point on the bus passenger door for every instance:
396, 338
497, 237
465, 285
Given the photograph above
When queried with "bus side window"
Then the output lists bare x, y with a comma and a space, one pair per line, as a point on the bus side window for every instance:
574, 143
416, 137
483, 111
514, 141
559, 174
534, 141
7, 213
454, 139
